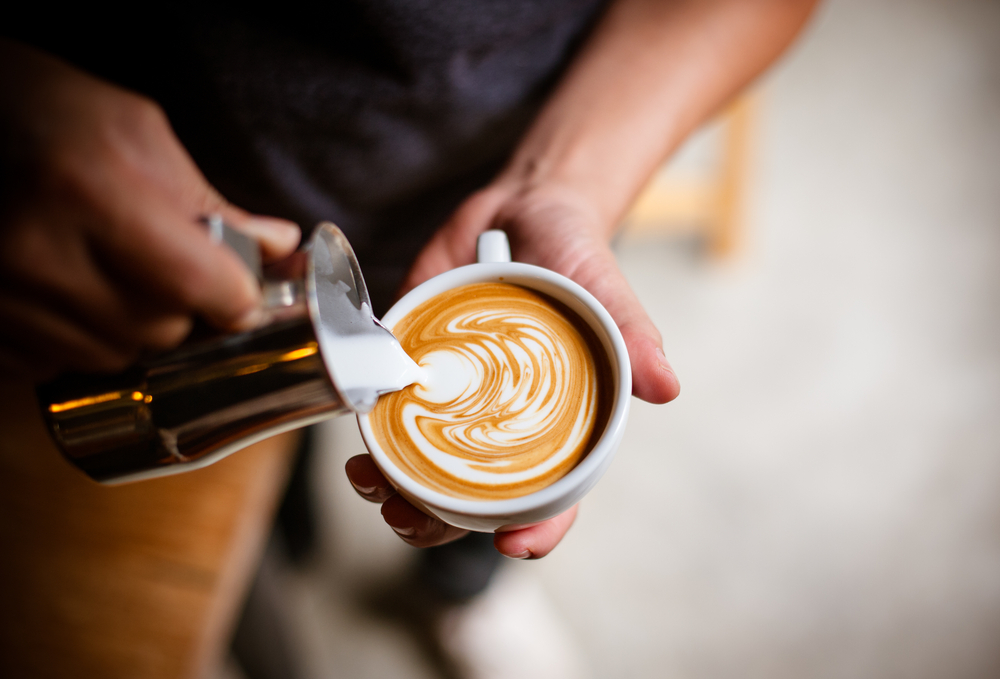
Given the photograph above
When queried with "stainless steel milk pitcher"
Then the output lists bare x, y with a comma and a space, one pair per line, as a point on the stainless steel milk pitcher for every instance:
206, 399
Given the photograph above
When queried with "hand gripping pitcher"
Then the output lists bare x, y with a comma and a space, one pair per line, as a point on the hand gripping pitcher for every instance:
320, 353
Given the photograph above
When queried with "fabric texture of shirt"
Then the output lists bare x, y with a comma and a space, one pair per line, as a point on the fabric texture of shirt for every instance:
378, 115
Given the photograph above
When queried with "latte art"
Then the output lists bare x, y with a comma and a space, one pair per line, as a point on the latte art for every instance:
516, 393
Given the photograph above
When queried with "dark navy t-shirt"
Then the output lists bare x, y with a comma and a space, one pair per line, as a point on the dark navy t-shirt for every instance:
379, 115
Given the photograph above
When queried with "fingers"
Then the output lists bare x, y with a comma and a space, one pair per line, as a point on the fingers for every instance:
100, 240
148, 195
367, 480
277, 238
211, 280
46, 343
409, 523
653, 379
415, 527
559, 232
154, 153
52, 273
536, 541
164, 252
588, 260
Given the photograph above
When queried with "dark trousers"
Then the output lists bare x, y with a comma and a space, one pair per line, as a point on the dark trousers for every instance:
450, 573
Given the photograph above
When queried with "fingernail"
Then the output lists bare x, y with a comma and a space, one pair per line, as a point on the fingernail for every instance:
280, 230
662, 358
364, 490
403, 531
526, 554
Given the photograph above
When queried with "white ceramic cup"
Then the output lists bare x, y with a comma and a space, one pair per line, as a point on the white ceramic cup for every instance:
493, 255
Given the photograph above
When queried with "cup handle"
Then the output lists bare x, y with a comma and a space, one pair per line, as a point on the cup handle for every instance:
492, 247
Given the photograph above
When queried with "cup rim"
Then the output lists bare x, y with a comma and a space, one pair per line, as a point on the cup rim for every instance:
574, 296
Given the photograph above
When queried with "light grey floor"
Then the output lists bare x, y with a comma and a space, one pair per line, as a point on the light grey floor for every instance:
824, 498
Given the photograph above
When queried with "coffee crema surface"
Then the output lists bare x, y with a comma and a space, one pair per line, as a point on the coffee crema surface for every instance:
517, 391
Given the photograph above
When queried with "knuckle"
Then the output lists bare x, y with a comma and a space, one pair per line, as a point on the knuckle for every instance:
125, 137
165, 333
211, 200
140, 114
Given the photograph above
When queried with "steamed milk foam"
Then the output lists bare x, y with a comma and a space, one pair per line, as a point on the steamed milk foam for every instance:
515, 391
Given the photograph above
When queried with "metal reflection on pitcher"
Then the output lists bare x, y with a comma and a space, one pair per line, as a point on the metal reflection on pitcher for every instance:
212, 396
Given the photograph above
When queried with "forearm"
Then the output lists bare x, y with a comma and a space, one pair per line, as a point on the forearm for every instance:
652, 71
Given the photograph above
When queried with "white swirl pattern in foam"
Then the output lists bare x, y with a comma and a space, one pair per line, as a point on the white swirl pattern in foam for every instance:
511, 399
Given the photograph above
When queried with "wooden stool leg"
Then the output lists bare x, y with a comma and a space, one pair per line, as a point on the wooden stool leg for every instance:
141, 580
726, 228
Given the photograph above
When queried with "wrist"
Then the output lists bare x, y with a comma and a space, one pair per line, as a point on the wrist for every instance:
594, 151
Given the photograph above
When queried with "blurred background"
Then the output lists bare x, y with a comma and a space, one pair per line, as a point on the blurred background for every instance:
823, 500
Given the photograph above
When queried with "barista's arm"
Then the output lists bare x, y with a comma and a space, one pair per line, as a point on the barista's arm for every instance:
652, 71
101, 256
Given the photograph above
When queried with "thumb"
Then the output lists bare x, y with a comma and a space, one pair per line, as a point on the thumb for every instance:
653, 379
454, 244
276, 237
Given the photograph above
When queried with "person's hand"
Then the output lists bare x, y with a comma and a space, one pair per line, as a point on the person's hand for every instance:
421, 530
556, 228
101, 255
552, 227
